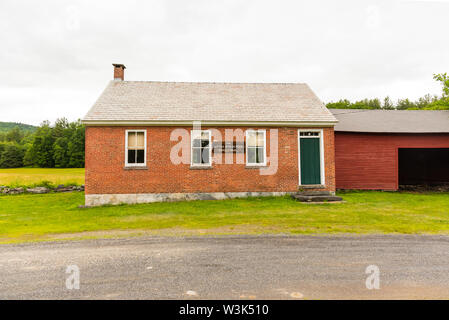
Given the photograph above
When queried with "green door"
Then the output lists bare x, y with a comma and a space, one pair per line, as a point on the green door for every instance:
310, 161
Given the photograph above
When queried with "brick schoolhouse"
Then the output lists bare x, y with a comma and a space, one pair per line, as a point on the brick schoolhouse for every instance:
152, 141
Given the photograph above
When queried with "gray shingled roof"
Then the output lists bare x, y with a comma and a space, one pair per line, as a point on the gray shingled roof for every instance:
230, 102
392, 121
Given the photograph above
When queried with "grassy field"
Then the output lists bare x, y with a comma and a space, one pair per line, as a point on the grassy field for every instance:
35, 176
57, 216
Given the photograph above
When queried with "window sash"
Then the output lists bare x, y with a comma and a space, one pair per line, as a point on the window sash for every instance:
135, 148
201, 156
201, 148
136, 140
255, 147
256, 155
256, 138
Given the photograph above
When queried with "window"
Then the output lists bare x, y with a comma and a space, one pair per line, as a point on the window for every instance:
136, 147
255, 147
309, 133
201, 148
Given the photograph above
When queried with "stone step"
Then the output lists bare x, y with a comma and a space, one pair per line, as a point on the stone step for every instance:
316, 198
314, 193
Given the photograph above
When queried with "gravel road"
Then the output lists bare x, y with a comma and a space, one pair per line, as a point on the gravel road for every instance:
231, 267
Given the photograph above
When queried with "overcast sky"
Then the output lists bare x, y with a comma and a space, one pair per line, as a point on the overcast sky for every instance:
56, 55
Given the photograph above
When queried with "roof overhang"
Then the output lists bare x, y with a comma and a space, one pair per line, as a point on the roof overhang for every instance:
392, 132
149, 123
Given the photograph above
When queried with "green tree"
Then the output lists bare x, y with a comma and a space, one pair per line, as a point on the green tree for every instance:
60, 128
61, 155
14, 135
62, 133
444, 79
12, 156
29, 159
373, 103
76, 145
404, 104
341, 104
388, 104
423, 102
41, 151
427, 102
2, 147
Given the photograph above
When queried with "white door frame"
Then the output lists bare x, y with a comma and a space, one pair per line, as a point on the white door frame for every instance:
322, 168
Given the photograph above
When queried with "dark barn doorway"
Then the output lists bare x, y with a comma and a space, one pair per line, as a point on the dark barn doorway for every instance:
423, 166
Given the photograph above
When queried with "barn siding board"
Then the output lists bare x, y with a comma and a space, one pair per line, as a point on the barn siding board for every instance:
370, 160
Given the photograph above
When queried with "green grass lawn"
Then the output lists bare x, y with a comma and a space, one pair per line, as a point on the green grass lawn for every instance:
30, 217
33, 176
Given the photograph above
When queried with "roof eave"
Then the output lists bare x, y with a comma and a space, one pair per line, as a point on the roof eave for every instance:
210, 123
393, 132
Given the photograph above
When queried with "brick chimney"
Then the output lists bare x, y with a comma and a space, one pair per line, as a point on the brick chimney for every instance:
119, 71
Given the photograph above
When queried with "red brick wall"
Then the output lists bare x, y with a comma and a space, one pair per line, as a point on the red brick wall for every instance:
370, 161
105, 172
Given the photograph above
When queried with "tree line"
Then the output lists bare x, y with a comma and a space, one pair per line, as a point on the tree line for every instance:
50, 146
62, 145
427, 102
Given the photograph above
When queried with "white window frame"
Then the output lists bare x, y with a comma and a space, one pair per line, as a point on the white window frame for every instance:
264, 147
322, 167
144, 164
191, 148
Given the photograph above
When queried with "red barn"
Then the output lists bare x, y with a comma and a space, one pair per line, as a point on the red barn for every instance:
383, 149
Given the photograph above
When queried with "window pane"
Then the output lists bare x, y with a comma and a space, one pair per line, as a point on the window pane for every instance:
140, 156
251, 155
204, 143
140, 140
205, 156
196, 143
251, 139
196, 156
205, 135
196, 134
260, 155
131, 156
200, 147
256, 139
309, 134
132, 140
260, 139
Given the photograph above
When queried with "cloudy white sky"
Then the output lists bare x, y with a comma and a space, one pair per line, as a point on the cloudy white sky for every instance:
56, 55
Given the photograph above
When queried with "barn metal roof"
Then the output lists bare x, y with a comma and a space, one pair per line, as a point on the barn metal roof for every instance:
392, 121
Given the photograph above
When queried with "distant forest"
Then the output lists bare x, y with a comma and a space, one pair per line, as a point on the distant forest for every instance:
7, 126
427, 102
48, 146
